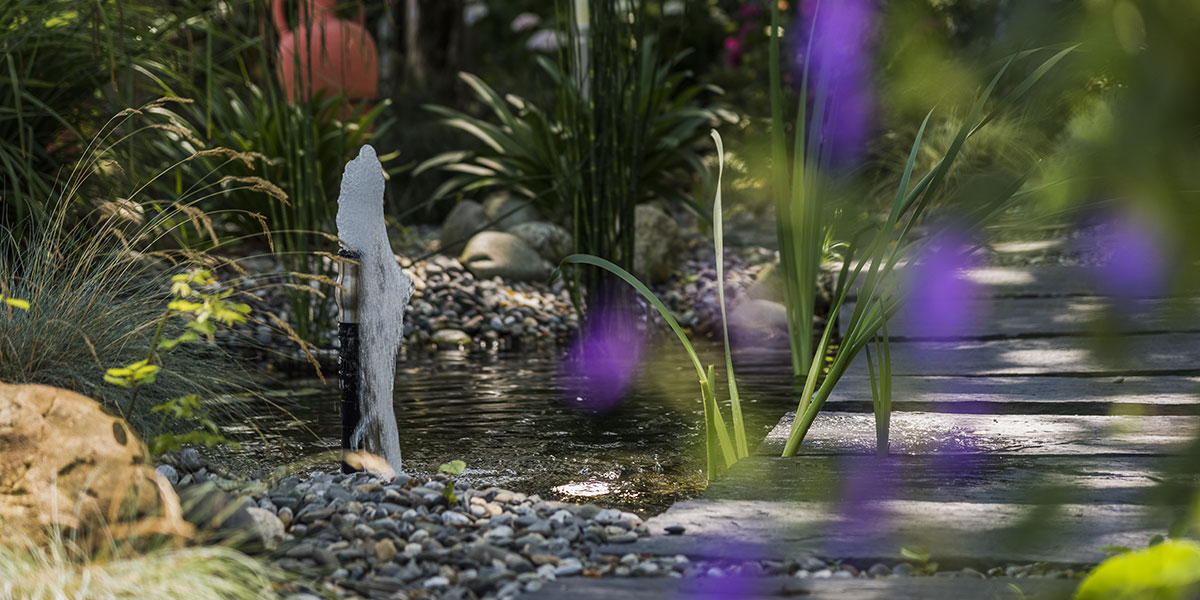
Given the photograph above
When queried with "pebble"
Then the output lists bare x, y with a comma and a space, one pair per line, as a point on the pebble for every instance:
385, 550
169, 473
879, 570
189, 459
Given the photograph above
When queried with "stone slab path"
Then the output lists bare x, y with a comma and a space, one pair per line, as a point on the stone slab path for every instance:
1058, 423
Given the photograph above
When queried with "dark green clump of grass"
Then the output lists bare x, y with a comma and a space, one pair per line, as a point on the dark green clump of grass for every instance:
98, 284
94, 305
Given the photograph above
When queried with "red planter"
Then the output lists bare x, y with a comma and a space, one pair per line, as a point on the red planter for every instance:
340, 55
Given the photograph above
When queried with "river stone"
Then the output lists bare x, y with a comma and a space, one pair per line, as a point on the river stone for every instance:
170, 473
465, 220
385, 550
550, 241
768, 284
656, 236
756, 318
450, 339
506, 211
268, 528
498, 254
66, 462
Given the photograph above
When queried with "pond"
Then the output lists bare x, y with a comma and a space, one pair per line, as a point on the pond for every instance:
509, 417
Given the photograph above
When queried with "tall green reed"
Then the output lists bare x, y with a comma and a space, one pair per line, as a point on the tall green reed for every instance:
879, 296
65, 65
721, 449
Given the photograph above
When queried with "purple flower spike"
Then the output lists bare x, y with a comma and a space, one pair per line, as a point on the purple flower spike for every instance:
838, 35
602, 363
1137, 263
939, 300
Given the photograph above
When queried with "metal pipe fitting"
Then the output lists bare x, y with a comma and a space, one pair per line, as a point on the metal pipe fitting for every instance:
349, 363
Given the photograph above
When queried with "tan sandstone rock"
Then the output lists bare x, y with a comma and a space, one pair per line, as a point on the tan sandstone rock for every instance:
65, 462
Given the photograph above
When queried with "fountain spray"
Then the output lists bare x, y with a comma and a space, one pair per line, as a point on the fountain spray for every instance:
371, 316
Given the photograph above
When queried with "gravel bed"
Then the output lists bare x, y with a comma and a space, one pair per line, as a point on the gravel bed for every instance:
358, 536
452, 309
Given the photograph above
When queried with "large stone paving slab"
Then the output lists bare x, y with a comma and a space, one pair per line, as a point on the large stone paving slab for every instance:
1159, 354
944, 433
1132, 395
911, 588
1025, 282
998, 479
955, 533
986, 318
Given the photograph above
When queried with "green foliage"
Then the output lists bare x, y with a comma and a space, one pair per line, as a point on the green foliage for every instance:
199, 310
527, 151
452, 469
299, 147
63, 61
94, 284
879, 298
720, 451
799, 208
623, 130
1165, 571
920, 555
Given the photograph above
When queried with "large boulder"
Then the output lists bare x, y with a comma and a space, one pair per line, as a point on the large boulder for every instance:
66, 463
464, 221
551, 242
498, 254
656, 236
506, 211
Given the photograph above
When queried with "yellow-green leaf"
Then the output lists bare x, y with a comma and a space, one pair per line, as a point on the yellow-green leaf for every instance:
1166, 571
187, 336
15, 303
184, 306
117, 380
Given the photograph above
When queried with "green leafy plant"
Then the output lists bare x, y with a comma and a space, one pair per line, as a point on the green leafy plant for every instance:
201, 311
451, 469
921, 556
1164, 571
63, 62
623, 130
878, 296
300, 147
721, 449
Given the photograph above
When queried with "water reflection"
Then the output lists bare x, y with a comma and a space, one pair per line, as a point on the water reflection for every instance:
506, 417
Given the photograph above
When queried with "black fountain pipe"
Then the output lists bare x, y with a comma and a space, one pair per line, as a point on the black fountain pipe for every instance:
349, 367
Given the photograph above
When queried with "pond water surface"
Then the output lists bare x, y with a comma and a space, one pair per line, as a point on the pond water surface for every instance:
509, 417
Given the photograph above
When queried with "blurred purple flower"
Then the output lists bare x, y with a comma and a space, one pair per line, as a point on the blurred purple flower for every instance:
939, 299
864, 522
1137, 265
601, 364
838, 35
728, 587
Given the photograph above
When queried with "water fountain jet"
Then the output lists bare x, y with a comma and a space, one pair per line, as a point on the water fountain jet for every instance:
373, 306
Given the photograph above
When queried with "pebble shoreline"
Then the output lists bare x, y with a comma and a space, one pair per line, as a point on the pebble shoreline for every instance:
357, 536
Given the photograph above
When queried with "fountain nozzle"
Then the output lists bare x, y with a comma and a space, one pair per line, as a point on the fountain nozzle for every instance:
349, 379
348, 292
